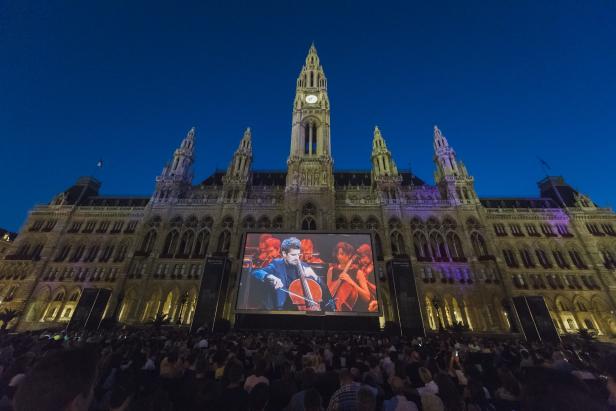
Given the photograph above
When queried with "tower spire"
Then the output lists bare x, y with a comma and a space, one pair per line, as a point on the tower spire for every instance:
451, 175
310, 162
385, 176
177, 175
239, 167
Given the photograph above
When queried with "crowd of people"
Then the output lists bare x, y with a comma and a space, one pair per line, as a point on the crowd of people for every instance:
171, 370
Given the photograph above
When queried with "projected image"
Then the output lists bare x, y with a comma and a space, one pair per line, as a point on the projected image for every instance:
332, 273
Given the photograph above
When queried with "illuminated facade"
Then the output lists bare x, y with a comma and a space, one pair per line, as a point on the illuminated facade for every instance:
469, 255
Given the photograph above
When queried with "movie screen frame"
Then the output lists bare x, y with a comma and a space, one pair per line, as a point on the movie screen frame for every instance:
247, 257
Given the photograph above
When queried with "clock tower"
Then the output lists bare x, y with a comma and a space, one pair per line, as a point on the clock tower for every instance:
310, 163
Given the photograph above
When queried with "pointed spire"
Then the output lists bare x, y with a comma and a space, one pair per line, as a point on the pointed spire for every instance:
378, 142
439, 139
246, 143
189, 141
382, 163
312, 59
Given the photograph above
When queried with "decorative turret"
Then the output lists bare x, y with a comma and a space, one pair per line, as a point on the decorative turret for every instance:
385, 177
239, 167
451, 176
176, 178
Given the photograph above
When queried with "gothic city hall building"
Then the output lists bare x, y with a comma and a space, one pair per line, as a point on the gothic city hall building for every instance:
469, 257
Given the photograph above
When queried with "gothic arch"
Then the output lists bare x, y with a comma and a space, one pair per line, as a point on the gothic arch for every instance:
456, 251
191, 221
148, 241
341, 223
356, 223
152, 304
277, 222
420, 243
227, 222
186, 243
309, 212
372, 223
224, 241
479, 244
438, 247
171, 243
207, 222
201, 243
39, 303
398, 248
264, 222
249, 223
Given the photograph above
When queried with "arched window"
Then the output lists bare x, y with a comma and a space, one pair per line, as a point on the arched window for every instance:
341, 223
264, 222
249, 222
203, 240
527, 258
543, 258
455, 246
577, 259
74, 296
422, 249
438, 248
148, 242
308, 220
277, 222
186, 243
59, 296
372, 223
171, 243
224, 242
227, 222
560, 259
397, 244
479, 244
207, 222
563, 306
309, 224
356, 223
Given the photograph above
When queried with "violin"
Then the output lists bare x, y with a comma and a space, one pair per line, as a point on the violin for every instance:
305, 292
344, 293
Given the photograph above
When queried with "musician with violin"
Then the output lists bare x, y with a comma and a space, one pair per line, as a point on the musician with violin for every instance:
292, 284
345, 285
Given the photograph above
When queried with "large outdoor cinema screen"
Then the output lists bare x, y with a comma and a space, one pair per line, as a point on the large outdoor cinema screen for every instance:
308, 273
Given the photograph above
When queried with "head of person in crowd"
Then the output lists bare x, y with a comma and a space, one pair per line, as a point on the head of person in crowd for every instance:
313, 400
345, 377
366, 398
234, 373
63, 380
548, 389
425, 375
259, 397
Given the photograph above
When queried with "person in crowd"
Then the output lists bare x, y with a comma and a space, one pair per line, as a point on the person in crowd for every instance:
165, 369
63, 380
429, 385
258, 377
345, 398
398, 402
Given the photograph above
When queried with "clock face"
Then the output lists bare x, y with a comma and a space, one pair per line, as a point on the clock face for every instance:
311, 99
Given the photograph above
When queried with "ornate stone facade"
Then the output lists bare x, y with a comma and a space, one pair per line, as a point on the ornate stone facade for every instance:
469, 255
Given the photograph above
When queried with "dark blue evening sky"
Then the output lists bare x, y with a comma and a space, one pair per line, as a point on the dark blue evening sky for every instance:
125, 80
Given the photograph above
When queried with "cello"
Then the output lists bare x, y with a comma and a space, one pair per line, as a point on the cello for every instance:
344, 293
305, 292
